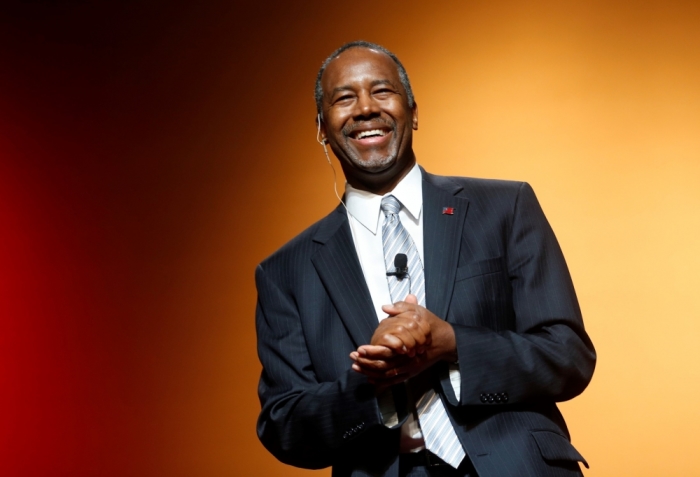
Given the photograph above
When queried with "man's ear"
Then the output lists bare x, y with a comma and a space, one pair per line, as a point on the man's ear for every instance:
321, 131
415, 116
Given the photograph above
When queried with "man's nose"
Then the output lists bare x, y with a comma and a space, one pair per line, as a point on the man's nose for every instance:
366, 106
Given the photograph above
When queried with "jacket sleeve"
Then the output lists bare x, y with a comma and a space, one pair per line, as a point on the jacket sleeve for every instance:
304, 421
543, 353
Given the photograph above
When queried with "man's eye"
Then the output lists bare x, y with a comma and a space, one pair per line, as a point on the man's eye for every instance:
345, 97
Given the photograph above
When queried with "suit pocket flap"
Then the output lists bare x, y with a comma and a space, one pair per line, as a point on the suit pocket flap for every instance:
482, 267
554, 446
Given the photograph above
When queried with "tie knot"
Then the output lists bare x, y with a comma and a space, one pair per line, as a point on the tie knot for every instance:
390, 205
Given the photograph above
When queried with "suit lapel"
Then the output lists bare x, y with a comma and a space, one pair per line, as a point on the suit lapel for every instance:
339, 269
442, 233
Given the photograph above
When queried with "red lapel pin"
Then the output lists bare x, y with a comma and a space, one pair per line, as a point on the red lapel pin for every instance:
448, 211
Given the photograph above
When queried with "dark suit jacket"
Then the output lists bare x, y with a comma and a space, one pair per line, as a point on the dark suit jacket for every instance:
493, 270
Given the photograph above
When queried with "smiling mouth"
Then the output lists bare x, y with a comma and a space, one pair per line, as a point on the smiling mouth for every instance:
370, 133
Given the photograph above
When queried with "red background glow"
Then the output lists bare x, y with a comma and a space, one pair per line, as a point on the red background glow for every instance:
146, 149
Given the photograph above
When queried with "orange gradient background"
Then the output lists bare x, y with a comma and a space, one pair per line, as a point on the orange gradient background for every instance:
152, 153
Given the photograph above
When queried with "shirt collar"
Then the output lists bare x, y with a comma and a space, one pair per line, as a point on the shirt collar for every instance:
365, 207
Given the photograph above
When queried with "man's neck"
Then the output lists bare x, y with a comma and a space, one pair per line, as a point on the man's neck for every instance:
382, 182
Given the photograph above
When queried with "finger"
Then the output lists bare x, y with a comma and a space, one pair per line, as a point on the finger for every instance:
379, 364
373, 369
413, 332
408, 304
394, 338
399, 372
412, 299
416, 319
418, 328
379, 367
407, 334
393, 373
373, 352
391, 377
396, 308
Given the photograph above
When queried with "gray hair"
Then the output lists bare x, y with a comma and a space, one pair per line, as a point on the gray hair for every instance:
403, 76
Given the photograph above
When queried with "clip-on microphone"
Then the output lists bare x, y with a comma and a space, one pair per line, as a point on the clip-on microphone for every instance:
401, 265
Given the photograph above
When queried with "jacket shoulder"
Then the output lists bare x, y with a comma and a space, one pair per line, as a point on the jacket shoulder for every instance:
306, 243
472, 183
478, 189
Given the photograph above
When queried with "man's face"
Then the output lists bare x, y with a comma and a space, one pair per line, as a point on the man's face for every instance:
366, 117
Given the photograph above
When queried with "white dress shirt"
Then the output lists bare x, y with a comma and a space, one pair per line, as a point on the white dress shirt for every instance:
366, 219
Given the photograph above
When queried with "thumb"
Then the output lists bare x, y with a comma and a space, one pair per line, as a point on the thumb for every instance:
411, 299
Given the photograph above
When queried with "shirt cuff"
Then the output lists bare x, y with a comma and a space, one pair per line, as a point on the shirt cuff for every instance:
456, 379
387, 409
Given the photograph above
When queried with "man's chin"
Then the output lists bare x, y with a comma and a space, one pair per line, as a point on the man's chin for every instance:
373, 166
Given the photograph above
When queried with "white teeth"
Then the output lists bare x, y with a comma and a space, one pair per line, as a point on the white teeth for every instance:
371, 132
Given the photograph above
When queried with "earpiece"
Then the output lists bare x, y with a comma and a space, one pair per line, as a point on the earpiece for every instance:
321, 141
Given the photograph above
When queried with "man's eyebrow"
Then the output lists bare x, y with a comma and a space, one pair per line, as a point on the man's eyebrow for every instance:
339, 89
373, 83
383, 81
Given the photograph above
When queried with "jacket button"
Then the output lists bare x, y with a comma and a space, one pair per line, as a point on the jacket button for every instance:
490, 398
483, 397
505, 397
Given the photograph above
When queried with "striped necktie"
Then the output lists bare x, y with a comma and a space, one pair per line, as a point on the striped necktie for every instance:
438, 433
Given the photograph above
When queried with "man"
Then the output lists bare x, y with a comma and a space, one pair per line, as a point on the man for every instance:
460, 375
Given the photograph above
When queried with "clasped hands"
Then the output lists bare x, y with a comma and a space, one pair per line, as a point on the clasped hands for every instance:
408, 341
